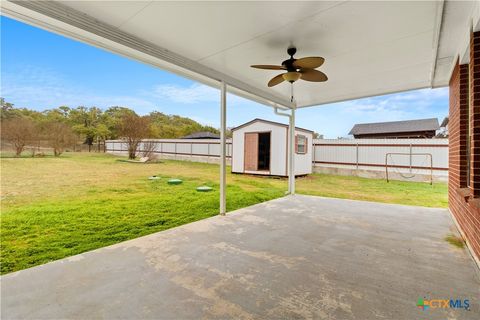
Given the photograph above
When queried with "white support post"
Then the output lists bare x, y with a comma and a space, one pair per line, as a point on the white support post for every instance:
291, 150
291, 154
223, 162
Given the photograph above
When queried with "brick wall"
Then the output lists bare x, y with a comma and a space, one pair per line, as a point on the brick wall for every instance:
464, 186
475, 114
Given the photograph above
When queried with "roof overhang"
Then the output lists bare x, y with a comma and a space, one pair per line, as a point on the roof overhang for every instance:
371, 48
278, 124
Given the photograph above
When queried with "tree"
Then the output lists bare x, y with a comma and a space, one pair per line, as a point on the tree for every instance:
148, 148
112, 118
102, 133
133, 129
7, 111
18, 131
92, 124
59, 135
172, 126
85, 121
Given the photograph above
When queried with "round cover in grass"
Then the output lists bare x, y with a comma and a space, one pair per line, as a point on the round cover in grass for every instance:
174, 181
153, 178
204, 189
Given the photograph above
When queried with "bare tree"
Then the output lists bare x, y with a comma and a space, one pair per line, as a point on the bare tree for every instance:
18, 131
133, 129
148, 148
59, 135
35, 142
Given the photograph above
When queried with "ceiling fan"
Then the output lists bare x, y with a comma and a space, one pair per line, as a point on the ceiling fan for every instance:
303, 68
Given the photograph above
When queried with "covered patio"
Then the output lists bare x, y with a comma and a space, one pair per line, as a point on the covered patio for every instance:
291, 258
298, 256
366, 48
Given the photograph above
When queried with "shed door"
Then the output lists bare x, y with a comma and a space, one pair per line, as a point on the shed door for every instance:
251, 152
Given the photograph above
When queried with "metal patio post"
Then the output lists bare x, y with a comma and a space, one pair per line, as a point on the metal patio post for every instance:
223, 163
291, 154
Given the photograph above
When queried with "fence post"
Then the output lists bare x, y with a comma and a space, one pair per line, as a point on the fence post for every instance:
386, 166
356, 155
208, 152
410, 157
313, 155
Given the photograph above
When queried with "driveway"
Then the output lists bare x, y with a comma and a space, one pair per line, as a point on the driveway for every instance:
291, 258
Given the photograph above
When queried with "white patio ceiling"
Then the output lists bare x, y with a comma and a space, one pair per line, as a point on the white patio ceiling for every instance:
370, 48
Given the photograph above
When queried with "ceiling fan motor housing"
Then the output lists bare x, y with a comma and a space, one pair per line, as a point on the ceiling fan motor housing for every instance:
296, 69
291, 51
288, 64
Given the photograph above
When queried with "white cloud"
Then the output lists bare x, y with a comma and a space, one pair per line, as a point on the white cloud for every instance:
401, 103
195, 93
41, 89
203, 121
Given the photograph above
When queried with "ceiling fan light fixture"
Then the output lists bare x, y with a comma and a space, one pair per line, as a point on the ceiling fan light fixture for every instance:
291, 76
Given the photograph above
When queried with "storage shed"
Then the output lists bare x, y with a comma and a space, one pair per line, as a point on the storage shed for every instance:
261, 147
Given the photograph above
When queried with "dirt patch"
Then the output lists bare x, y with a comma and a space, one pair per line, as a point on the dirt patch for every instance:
455, 241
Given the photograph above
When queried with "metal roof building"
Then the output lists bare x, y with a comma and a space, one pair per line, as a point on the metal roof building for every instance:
420, 128
202, 135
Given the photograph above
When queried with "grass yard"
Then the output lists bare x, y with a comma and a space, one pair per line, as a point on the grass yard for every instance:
57, 207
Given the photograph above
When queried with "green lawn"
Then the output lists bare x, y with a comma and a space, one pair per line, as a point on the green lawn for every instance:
57, 207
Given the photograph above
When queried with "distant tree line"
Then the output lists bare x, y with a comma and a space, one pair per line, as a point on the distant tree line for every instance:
63, 127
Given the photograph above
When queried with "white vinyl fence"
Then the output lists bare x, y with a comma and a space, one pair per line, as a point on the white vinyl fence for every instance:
200, 150
404, 159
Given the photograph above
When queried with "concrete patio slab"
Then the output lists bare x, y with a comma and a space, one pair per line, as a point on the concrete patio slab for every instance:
290, 258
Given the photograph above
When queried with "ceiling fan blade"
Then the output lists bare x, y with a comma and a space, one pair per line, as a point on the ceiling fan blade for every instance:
309, 62
276, 80
268, 67
313, 75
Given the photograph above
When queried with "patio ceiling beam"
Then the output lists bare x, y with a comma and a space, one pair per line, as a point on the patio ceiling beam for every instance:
365, 96
438, 29
60, 19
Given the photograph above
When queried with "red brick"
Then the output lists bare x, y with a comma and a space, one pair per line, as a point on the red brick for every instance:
465, 90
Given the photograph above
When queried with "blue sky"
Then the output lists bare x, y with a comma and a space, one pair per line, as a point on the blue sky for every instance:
41, 70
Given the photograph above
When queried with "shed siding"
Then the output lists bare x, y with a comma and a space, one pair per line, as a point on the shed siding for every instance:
303, 161
278, 142
278, 149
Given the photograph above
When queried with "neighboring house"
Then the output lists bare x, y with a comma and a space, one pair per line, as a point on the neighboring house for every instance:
260, 147
202, 135
443, 131
421, 128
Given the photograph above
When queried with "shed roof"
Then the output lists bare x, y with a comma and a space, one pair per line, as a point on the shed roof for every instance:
279, 124
395, 126
444, 122
202, 135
